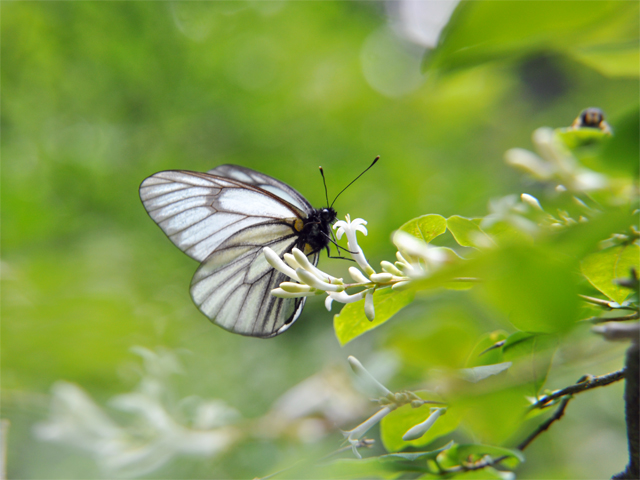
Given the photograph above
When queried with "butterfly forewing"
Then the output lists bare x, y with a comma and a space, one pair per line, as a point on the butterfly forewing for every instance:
265, 182
198, 211
224, 218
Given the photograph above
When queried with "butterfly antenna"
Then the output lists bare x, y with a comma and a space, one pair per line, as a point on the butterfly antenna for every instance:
365, 171
324, 181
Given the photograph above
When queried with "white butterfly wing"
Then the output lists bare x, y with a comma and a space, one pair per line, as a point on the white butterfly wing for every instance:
199, 211
265, 182
224, 218
232, 287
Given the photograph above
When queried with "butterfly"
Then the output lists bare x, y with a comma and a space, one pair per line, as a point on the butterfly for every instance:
224, 218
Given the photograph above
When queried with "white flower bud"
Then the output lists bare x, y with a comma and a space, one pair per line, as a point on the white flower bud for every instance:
315, 282
390, 268
369, 311
302, 260
381, 277
357, 275
276, 262
400, 285
291, 261
363, 373
420, 429
280, 293
531, 201
294, 287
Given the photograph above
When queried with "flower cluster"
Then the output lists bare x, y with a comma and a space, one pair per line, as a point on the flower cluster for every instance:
389, 401
415, 259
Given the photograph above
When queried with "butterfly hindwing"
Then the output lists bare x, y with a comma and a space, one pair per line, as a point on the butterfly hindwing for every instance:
232, 287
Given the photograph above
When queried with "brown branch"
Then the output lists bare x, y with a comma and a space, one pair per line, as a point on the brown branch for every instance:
544, 426
585, 383
588, 383
483, 463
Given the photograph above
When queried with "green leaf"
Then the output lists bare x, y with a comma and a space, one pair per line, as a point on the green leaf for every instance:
443, 341
492, 413
426, 227
619, 60
534, 288
623, 150
520, 28
602, 268
396, 424
531, 355
468, 233
504, 233
487, 351
351, 322
413, 456
574, 138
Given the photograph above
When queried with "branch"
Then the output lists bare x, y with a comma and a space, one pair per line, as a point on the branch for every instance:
631, 400
619, 331
586, 383
631, 316
544, 426
490, 462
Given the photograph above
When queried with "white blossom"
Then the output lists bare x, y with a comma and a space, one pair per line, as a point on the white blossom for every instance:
308, 280
350, 229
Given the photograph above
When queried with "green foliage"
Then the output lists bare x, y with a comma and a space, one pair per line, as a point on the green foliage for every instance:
604, 267
620, 153
426, 227
396, 424
99, 95
467, 232
597, 33
351, 322
531, 356
535, 291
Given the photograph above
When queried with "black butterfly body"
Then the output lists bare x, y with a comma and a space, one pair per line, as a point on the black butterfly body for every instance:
224, 218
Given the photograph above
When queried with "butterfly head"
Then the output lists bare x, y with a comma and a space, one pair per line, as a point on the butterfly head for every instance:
315, 233
328, 215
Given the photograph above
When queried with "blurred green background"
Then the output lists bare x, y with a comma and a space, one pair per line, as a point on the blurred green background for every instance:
96, 96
